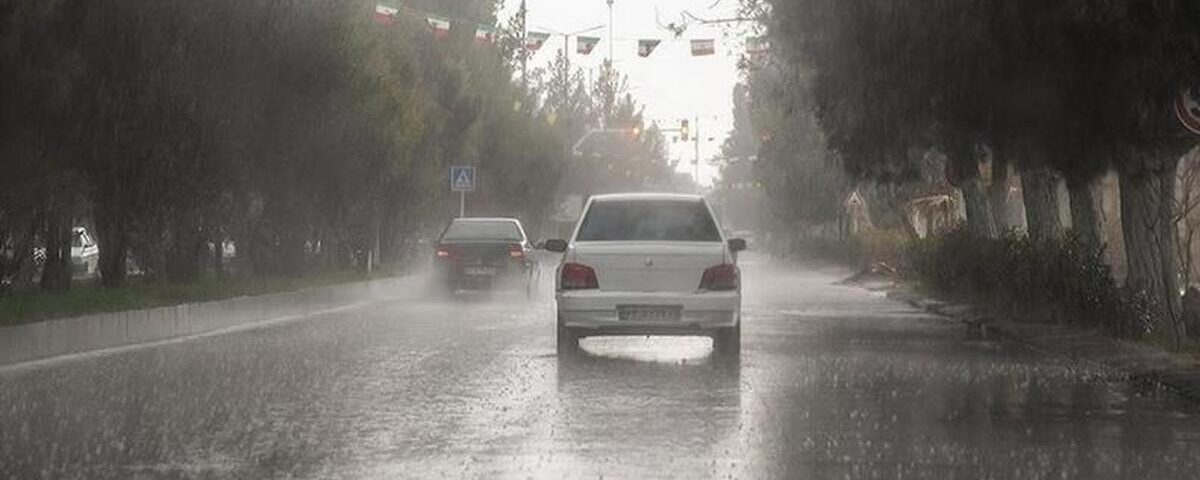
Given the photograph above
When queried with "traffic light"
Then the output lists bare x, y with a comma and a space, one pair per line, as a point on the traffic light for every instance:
683, 130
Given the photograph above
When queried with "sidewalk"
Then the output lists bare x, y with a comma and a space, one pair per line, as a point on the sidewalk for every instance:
1139, 361
92, 333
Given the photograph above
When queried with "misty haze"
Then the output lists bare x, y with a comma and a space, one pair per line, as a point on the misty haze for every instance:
343, 239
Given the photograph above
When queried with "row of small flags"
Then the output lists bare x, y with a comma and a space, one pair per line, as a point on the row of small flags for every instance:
440, 26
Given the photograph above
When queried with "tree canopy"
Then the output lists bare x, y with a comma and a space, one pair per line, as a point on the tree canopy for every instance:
306, 133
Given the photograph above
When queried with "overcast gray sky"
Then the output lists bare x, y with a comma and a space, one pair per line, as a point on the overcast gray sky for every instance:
671, 82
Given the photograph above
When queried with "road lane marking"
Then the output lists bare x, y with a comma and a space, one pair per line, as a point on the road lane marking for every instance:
103, 352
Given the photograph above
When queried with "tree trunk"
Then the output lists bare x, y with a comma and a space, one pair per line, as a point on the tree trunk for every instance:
1087, 215
217, 258
26, 270
18, 267
979, 211
910, 230
1147, 204
113, 239
998, 194
56, 270
185, 249
1039, 190
58, 223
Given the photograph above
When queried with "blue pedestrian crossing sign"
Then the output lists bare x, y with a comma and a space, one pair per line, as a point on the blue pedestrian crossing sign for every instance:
462, 179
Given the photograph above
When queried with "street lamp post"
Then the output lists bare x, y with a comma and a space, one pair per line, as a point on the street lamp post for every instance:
524, 48
567, 43
610, 32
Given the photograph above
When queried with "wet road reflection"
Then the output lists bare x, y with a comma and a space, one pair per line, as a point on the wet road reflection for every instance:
833, 382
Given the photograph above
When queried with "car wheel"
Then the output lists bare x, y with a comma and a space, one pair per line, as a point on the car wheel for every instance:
530, 287
443, 289
727, 342
568, 342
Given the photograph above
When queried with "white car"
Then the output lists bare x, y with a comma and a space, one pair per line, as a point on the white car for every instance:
85, 254
648, 264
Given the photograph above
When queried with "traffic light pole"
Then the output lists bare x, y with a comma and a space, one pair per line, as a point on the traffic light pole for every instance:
690, 133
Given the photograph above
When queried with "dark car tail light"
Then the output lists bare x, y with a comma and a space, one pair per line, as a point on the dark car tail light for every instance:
578, 277
444, 252
516, 252
720, 277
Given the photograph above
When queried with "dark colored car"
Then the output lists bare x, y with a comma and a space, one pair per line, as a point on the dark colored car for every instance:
485, 254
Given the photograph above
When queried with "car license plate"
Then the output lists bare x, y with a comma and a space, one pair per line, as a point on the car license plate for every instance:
649, 313
480, 271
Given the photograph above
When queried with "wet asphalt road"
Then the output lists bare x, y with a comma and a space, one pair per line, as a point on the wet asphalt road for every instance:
834, 382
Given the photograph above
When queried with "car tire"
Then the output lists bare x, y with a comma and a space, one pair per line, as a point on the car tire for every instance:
727, 342
530, 287
443, 289
568, 341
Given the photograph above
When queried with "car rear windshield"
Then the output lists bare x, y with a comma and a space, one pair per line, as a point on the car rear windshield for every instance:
499, 230
669, 220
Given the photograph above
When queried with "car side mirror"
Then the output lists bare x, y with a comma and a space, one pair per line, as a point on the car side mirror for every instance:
737, 244
555, 245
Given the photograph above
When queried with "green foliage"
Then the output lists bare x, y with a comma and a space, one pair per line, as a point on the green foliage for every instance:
1081, 86
876, 246
620, 151
803, 181
1060, 279
32, 306
1056, 77
304, 132
885, 250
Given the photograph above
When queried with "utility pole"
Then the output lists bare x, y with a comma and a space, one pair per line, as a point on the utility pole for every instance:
567, 44
524, 46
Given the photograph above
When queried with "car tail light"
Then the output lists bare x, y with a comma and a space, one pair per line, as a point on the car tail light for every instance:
720, 277
444, 252
578, 277
516, 252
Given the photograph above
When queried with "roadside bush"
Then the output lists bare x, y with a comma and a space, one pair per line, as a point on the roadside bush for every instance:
873, 247
1060, 281
821, 248
860, 250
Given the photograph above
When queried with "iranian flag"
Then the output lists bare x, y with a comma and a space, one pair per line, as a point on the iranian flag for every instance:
646, 47
385, 14
703, 47
535, 40
585, 45
440, 26
485, 34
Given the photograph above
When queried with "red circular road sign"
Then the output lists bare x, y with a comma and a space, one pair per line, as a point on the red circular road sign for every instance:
1187, 109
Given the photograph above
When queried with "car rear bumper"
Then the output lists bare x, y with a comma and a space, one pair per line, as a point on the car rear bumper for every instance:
594, 312
506, 276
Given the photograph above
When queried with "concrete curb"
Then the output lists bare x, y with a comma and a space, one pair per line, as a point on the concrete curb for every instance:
1139, 361
67, 336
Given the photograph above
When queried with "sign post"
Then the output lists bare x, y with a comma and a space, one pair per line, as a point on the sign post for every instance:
462, 180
